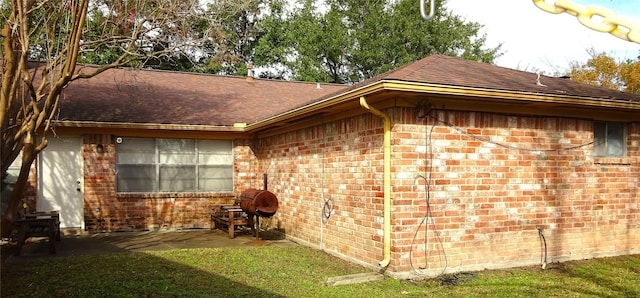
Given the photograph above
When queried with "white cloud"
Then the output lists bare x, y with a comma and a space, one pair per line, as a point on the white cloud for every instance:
535, 40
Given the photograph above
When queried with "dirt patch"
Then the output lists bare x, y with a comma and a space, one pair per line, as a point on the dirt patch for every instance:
456, 279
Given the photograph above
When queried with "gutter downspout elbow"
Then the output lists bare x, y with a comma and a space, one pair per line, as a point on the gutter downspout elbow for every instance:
387, 180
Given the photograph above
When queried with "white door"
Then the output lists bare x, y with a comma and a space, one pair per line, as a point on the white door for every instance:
60, 181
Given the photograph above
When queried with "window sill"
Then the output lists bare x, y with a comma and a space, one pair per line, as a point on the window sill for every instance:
168, 195
613, 161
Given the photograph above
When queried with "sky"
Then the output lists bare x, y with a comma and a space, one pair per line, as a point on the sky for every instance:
537, 41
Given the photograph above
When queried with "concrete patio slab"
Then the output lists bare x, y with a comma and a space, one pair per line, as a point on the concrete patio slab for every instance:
100, 243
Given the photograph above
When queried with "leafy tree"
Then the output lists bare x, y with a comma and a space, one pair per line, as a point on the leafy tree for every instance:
355, 40
270, 48
369, 33
319, 45
630, 74
294, 43
42, 42
234, 27
230, 25
189, 33
603, 70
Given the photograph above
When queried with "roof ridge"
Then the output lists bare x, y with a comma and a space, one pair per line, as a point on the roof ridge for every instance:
212, 75
456, 71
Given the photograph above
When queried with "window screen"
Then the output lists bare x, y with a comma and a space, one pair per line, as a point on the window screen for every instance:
609, 139
174, 165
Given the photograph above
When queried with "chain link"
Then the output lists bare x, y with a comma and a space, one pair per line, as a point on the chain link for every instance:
595, 17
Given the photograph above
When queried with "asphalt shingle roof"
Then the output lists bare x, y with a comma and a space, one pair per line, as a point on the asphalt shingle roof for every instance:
452, 71
163, 97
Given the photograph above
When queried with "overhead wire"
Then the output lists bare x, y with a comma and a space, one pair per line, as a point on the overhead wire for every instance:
481, 139
327, 207
428, 213
328, 204
426, 111
543, 257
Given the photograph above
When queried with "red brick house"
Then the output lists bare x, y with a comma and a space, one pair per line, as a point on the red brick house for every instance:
442, 165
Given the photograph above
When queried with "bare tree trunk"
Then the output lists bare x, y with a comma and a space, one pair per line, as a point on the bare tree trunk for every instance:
54, 30
8, 85
37, 118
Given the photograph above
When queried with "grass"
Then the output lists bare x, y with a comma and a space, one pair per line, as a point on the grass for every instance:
295, 272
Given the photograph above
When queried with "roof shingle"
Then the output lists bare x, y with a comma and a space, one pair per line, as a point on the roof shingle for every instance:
452, 71
163, 97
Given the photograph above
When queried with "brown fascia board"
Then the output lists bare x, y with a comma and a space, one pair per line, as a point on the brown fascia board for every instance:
148, 130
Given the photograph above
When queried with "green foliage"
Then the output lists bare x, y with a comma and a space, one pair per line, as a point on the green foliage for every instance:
345, 41
271, 49
42, 38
295, 271
342, 41
355, 40
234, 32
102, 54
116, 29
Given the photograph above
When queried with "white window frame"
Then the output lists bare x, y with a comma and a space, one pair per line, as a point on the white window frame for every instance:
160, 161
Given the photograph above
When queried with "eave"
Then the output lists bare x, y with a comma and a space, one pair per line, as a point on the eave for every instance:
149, 126
483, 94
380, 92
149, 129
316, 107
463, 98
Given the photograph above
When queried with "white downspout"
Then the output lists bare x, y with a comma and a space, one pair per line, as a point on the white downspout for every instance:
387, 180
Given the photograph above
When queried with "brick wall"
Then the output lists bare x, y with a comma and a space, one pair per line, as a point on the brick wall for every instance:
246, 172
338, 162
106, 210
99, 184
30, 193
496, 182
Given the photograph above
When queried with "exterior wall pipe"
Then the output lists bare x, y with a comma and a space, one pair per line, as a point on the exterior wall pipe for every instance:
387, 180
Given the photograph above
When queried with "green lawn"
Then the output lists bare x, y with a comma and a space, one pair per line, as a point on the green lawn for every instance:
295, 272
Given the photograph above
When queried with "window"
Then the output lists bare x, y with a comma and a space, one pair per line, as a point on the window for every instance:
174, 165
609, 139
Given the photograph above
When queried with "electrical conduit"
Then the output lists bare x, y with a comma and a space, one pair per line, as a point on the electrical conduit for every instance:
387, 180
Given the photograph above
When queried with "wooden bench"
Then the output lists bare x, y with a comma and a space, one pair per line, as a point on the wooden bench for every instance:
39, 224
229, 216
